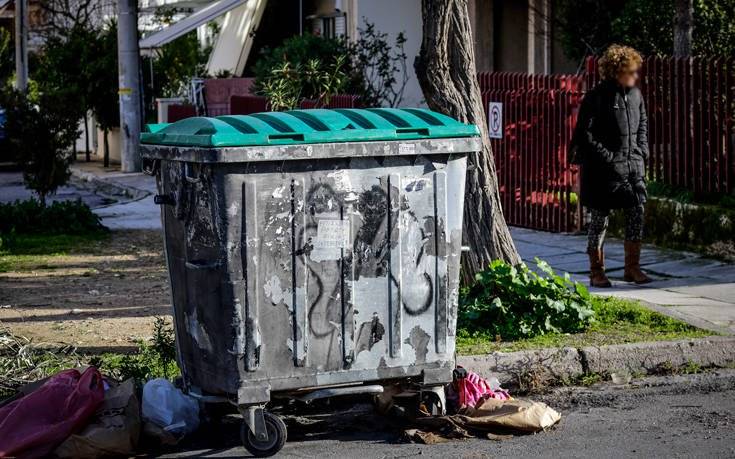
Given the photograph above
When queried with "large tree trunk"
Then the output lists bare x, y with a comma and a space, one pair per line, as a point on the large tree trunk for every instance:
106, 154
683, 25
446, 71
86, 136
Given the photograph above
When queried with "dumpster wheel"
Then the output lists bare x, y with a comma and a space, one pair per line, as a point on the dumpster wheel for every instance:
276, 429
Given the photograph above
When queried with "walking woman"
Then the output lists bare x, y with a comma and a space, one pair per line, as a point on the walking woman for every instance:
611, 144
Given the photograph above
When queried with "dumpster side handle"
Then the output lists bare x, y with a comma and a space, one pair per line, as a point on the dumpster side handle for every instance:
164, 199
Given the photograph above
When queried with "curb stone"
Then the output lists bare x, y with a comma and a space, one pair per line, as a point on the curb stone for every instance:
548, 366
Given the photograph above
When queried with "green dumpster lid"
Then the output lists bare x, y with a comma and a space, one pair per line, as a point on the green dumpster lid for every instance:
308, 126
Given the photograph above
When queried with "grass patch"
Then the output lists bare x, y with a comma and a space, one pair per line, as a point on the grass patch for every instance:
23, 361
29, 252
616, 321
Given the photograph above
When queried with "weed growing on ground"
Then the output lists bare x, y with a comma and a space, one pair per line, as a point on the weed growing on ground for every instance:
512, 302
616, 321
154, 359
23, 361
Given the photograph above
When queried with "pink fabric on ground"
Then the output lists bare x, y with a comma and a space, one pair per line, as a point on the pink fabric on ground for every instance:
474, 389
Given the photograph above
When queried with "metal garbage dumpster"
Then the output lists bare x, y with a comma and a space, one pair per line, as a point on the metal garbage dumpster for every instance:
311, 249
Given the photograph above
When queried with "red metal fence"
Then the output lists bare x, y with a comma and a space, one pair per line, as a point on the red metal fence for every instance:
691, 118
536, 183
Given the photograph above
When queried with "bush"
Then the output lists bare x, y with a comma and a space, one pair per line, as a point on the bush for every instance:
287, 85
40, 135
314, 67
63, 217
515, 302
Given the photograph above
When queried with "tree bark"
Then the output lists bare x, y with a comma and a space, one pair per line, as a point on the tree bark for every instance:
106, 154
445, 68
683, 27
86, 137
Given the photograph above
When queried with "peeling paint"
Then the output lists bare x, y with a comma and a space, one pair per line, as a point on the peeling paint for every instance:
368, 334
233, 210
418, 339
272, 289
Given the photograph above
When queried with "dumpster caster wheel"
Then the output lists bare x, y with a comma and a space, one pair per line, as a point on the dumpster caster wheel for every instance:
276, 429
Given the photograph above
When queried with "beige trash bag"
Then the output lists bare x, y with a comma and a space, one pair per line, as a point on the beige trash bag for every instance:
512, 415
113, 431
492, 417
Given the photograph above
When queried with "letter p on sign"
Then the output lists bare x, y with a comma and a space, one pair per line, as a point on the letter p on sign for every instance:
495, 120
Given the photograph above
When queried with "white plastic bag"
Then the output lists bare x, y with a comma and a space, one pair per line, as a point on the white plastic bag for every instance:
169, 408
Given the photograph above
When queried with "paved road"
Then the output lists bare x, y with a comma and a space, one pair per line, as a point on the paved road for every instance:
672, 416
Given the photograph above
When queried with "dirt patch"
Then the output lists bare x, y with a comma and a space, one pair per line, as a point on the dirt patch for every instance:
102, 296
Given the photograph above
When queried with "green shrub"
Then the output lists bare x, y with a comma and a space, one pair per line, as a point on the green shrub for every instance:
315, 67
62, 217
40, 134
154, 359
287, 85
514, 302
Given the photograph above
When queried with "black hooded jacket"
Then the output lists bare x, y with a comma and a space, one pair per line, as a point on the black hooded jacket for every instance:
611, 143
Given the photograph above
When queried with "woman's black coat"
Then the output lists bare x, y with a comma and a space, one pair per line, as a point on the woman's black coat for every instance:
611, 143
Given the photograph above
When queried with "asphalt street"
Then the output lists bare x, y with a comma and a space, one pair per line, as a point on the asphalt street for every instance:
662, 416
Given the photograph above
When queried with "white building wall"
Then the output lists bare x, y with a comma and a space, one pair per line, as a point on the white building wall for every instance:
394, 17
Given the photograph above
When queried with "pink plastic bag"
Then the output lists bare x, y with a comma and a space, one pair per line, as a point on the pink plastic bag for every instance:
469, 389
34, 425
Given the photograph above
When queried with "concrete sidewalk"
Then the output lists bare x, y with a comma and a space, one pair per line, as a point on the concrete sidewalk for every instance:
687, 286
134, 209
122, 200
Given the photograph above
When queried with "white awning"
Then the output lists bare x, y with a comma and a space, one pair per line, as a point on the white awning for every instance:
231, 51
189, 23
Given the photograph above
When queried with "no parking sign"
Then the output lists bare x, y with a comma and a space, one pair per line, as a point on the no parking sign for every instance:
495, 120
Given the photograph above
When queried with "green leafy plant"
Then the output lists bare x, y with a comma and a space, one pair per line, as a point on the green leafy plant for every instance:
289, 84
62, 217
40, 134
515, 302
153, 359
314, 67
377, 65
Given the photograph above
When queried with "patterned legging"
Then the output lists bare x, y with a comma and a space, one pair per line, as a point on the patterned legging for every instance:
598, 226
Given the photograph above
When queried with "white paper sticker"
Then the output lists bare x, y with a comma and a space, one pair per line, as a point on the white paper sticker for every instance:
406, 148
332, 234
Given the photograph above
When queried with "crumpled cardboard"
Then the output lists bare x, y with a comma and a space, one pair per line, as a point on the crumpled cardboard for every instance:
513, 415
492, 416
113, 431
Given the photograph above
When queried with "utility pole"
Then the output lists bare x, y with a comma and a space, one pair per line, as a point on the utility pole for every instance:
128, 59
21, 45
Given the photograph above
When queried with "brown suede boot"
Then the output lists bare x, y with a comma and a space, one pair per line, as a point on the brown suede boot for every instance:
597, 269
633, 271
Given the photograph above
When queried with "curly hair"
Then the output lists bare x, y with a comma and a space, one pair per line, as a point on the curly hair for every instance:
617, 59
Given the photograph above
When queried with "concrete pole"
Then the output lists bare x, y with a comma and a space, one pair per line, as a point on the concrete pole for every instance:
128, 59
21, 45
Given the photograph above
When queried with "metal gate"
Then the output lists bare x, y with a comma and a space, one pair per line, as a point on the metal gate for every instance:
691, 126
538, 113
